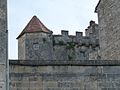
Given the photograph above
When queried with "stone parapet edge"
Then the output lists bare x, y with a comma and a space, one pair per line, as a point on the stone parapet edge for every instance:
65, 62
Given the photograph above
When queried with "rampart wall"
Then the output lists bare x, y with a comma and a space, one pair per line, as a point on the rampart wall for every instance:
65, 75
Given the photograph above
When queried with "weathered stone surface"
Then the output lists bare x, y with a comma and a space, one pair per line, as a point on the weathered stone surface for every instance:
64, 77
3, 44
65, 62
109, 23
3, 31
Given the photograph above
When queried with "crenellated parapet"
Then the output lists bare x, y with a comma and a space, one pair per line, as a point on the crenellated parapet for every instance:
75, 47
79, 39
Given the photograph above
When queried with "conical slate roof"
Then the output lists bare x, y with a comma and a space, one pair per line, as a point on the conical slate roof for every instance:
35, 25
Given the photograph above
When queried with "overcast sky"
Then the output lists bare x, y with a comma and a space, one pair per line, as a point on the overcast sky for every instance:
57, 15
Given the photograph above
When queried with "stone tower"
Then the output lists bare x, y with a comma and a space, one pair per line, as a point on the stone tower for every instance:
35, 41
109, 23
3, 45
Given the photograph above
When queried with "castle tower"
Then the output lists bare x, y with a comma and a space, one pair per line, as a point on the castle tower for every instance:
3, 45
35, 41
109, 22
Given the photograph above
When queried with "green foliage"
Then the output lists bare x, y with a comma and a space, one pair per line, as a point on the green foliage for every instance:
61, 43
70, 45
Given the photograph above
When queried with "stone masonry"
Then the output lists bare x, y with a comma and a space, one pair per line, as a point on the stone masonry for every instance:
3, 45
109, 23
65, 75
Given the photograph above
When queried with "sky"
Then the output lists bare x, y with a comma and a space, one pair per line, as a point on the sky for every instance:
57, 15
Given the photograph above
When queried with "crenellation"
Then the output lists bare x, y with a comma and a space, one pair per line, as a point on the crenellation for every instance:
64, 33
79, 34
92, 23
92, 30
78, 44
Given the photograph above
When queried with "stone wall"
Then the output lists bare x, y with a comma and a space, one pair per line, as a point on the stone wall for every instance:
35, 46
67, 75
77, 47
92, 30
3, 77
3, 45
3, 31
109, 23
21, 47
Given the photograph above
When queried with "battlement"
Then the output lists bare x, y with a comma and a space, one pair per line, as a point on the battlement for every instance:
79, 34
66, 33
78, 38
92, 23
92, 30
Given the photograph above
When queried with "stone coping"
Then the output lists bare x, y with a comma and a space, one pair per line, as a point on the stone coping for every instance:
65, 62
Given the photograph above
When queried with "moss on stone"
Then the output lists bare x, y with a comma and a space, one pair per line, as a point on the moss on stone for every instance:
70, 45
